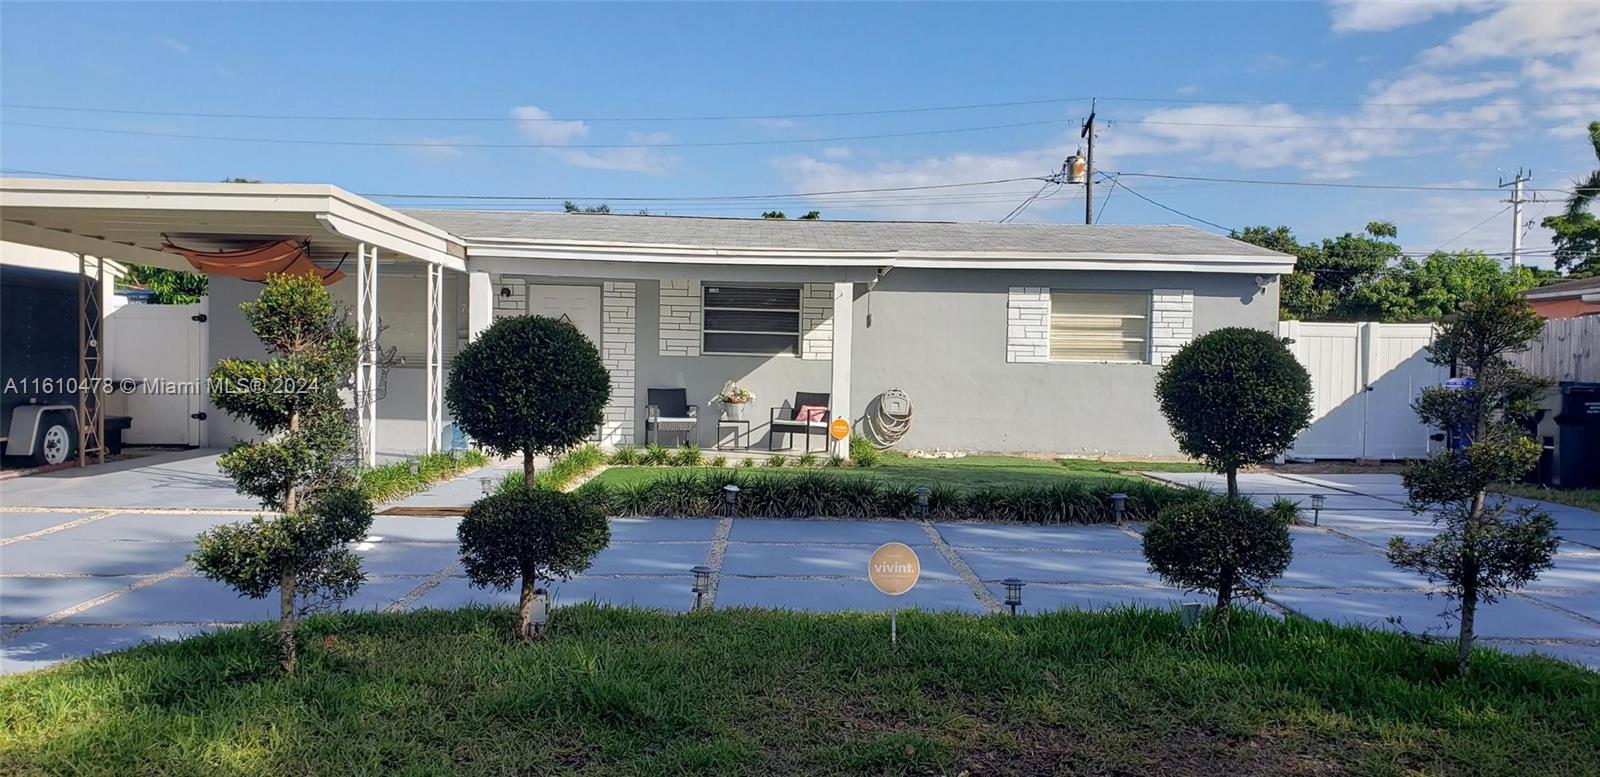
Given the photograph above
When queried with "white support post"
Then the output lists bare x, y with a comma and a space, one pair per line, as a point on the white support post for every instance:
843, 324
366, 394
480, 303
435, 363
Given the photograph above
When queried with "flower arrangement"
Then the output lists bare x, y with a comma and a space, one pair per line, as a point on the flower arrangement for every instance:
734, 394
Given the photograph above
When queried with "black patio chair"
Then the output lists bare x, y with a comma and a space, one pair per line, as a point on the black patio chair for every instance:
668, 409
791, 424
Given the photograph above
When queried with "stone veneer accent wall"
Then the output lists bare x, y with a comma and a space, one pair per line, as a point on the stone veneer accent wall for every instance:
1028, 324
816, 321
1171, 322
680, 318
514, 305
619, 313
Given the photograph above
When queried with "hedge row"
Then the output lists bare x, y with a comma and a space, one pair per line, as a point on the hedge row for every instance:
823, 495
566, 468
395, 480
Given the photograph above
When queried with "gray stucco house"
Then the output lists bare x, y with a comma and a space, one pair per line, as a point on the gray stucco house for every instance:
1013, 337
1006, 337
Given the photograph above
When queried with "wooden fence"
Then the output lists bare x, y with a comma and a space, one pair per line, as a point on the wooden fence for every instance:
1565, 351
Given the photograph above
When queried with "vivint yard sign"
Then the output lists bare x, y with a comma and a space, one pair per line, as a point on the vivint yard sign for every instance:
893, 570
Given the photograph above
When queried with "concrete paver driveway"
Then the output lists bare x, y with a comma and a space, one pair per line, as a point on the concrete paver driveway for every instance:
78, 581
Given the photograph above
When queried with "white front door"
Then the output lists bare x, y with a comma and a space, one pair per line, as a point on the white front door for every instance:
578, 304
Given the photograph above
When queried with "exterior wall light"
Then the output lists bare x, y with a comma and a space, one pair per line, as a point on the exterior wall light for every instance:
1317, 501
730, 497
702, 583
1119, 506
923, 492
1013, 593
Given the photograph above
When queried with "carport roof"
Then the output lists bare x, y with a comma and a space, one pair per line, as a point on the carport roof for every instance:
129, 220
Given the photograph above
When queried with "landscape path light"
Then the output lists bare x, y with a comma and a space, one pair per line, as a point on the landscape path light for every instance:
541, 611
1013, 593
1190, 614
1119, 505
414, 469
702, 583
487, 484
730, 497
922, 501
1317, 501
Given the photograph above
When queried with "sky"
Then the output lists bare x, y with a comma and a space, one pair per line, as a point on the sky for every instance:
731, 110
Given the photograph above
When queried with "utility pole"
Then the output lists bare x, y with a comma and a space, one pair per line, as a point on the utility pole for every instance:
1523, 176
1088, 170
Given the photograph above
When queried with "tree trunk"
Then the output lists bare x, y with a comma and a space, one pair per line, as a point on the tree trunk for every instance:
289, 496
286, 650
1224, 597
1233, 482
525, 607
1469, 611
527, 478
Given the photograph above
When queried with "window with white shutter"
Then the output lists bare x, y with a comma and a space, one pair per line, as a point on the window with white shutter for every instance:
1099, 326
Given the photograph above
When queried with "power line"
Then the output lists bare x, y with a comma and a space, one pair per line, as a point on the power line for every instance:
1170, 209
1319, 126
1021, 206
1107, 200
517, 120
1472, 228
1329, 185
555, 146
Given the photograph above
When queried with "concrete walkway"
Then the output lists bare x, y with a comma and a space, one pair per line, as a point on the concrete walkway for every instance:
79, 581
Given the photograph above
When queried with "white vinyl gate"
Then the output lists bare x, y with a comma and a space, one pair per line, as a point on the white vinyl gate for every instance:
1364, 377
162, 349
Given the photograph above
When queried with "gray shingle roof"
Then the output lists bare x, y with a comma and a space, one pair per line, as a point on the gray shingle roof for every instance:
932, 236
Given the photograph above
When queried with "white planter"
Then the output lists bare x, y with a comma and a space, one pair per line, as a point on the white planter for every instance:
734, 412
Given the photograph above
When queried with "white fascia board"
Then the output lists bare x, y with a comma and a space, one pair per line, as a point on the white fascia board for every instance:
1558, 293
672, 254
629, 270
72, 243
1207, 263
350, 216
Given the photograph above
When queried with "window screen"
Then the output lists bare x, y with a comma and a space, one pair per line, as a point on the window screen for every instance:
751, 320
1099, 326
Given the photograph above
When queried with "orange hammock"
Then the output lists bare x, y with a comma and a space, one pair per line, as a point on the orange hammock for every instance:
284, 257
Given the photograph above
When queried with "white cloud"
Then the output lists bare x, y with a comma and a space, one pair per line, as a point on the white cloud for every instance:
537, 125
1186, 90
978, 203
439, 147
635, 159
1522, 30
836, 152
175, 45
1417, 87
1581, 72
1380, 15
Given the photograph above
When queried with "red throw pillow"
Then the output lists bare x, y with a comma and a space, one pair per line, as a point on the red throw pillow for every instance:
811, 413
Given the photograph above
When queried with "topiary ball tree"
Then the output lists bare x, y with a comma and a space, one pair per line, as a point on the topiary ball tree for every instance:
529, 536
1234, 397
528, 385
1220, 544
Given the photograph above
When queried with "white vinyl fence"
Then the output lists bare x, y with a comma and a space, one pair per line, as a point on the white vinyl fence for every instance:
1364, 376
162, 349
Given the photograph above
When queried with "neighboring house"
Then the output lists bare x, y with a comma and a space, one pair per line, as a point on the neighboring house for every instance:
1568, 299
1006, 337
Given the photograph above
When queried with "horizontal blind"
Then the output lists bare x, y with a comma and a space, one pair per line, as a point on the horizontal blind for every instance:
1099, 326
751, 320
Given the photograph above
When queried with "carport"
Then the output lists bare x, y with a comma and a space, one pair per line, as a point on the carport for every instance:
393, 266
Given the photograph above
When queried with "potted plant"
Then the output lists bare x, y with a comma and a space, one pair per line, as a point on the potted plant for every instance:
734, 399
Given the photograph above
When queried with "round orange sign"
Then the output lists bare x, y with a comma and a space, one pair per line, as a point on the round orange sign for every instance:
840, 428
894, 568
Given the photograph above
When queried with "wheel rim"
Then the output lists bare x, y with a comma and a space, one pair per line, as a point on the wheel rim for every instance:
56, 444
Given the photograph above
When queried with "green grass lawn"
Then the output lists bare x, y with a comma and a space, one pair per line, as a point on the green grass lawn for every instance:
750, 692
965, 472
1588, 498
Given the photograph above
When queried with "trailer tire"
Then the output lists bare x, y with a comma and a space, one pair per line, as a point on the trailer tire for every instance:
56, 441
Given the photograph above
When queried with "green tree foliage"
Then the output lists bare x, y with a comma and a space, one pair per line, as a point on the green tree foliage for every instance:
811, 215
528, 385
1577, 231
572, 207
1224, 545
1484, 548
167, 287
1433, 288
1327, 274
1233, 397
529, 536
300, 467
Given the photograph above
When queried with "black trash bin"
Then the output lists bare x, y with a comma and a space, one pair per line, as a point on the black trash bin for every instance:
1569, 436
